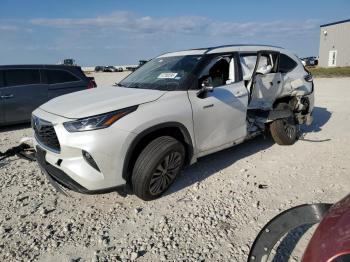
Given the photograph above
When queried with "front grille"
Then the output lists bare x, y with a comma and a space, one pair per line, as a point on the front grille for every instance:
45, 134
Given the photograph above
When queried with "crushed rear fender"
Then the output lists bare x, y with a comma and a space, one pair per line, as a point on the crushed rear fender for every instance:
281, 111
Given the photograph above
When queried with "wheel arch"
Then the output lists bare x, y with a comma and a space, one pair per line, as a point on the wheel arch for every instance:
174, 129
282, 108
285, 99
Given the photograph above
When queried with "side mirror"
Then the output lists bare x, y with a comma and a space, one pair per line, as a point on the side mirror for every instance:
206, 83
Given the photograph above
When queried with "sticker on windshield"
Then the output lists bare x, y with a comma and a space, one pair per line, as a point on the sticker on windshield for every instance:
167, 75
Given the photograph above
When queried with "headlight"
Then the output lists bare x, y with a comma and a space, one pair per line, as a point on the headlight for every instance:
97, 122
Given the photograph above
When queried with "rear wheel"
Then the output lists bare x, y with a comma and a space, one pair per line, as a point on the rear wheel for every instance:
157, 167
284, 131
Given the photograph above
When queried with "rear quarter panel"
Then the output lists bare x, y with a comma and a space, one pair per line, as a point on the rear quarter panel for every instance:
293, 81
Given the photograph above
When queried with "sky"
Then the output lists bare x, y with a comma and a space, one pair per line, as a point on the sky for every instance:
114, 32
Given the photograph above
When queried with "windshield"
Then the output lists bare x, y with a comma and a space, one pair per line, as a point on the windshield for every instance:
163, 73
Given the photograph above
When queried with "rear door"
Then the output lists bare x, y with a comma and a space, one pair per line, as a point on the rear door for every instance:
267, 82
22, 94
2, 110
62, 82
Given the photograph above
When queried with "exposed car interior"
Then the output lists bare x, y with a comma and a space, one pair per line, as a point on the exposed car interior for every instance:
260, 72
220, 72
262, 81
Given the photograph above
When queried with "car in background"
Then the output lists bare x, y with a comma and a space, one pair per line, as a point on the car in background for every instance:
23, 88
310, 61
69, 62
99, 68
109, 69
133, 68
142, 62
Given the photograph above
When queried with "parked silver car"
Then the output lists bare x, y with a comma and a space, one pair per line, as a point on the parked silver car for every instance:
174, 109
23, 88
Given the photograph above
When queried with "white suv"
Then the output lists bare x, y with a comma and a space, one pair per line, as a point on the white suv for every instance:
176, 108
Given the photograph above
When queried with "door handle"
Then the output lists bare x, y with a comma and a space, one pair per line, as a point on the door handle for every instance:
7, 96
207, 106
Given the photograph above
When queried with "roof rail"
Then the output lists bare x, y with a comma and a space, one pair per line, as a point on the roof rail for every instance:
236, 45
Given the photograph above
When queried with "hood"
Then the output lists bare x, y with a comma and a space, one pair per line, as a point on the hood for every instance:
100, 100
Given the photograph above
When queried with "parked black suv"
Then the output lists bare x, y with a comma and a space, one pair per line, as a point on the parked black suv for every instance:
23, 88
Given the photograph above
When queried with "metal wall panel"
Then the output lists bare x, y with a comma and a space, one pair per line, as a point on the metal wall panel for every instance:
335, 38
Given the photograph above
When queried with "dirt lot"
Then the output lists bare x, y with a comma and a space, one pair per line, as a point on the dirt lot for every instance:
213, 211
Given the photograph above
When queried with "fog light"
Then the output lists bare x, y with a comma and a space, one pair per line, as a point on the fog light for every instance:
88, 158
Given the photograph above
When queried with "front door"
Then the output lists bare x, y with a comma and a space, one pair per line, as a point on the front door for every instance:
219, 116
22, 94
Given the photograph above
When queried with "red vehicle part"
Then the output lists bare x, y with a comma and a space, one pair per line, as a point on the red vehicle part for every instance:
331, 240
92, 83
283, 223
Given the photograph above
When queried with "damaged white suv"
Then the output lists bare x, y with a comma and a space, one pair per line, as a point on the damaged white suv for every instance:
176, 108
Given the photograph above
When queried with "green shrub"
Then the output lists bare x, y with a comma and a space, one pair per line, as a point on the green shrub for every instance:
330, 72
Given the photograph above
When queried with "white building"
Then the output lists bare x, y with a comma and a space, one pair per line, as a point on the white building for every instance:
335, 44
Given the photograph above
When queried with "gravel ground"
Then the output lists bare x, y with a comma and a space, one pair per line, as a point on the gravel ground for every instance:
213, 211
104, 79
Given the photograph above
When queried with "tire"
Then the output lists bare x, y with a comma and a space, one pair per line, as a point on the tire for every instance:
157, 167
284, 131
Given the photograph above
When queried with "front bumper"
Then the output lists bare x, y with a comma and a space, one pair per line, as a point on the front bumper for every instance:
58, 178
68, 167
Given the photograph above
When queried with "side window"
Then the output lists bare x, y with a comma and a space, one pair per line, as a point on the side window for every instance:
60, 76
286, 64
221, 69
15, 77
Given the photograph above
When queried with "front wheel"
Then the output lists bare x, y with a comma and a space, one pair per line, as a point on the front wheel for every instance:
157, 167
284, 131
